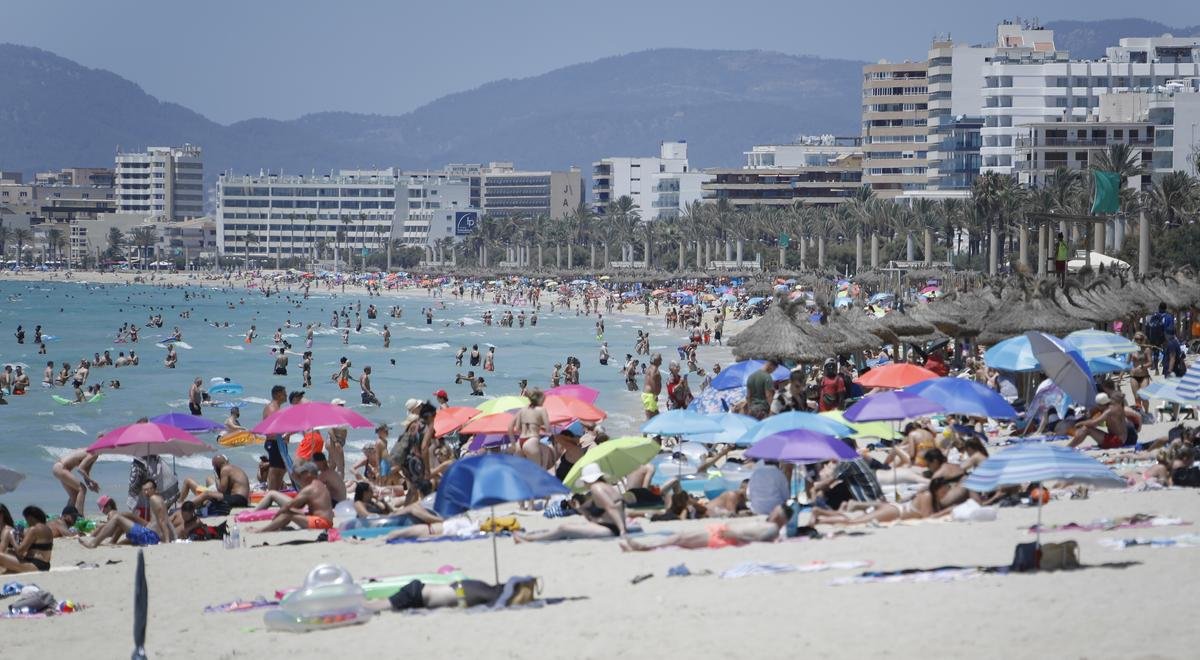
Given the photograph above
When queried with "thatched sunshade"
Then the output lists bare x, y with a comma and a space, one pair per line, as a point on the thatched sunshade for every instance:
776, 336
1024, 308
845, 332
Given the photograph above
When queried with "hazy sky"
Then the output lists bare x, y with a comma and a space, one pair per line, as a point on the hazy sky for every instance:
237, 59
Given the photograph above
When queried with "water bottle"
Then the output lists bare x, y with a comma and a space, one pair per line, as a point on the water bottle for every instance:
235, 536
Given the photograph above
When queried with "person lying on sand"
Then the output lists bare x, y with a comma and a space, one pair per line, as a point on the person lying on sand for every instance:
718, 535
313, 494
926, 504
464, 593
603, 513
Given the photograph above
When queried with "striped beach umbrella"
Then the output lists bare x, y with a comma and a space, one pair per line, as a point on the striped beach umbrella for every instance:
1098, 343
1189, 385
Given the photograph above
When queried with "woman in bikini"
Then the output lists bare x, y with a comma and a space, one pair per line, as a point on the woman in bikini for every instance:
33, 554
926, 504
603, 513
1139, 374
528, 426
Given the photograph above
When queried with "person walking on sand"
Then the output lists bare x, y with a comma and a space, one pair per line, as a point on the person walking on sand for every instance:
1060, 259
652, 386
79, 461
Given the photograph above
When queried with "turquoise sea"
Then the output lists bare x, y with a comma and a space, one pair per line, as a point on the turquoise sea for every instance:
84, 319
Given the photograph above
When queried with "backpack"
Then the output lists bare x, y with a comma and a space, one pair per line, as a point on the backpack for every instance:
1156, 332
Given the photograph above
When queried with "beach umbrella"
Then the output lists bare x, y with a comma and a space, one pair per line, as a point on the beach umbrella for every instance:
495, 423
189, 423
147, 439
789, 421
1107, 365
962, 396
488, 441
800, 446
562, 408
502, 404
580, 392
616, 458
680, 422
1166, 390
490, 479
1097, 343
9, 480
308, 416
735, 375
717, 401
1065, 366
895, 376
891, 406
1189, 385
881, 430
733, 426
1038, 463
1012, 354
448, 420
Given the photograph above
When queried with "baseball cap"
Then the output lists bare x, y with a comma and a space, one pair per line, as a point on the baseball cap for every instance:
441, 394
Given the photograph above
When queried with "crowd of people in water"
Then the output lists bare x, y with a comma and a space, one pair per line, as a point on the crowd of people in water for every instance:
307, 480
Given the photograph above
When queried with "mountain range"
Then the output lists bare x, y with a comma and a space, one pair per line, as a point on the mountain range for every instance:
56, 113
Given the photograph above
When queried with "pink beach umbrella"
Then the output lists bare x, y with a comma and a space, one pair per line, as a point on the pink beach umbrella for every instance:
313, 415
580, 392
147, 439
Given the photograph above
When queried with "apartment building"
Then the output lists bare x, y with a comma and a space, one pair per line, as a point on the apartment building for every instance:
166, 181
955, 122
1042, 85
895, 131
661, 187
818, 171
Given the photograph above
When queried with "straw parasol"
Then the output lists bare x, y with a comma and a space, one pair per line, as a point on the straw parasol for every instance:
1028, 307
776, 336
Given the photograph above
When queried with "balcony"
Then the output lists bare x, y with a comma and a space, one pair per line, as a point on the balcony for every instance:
1085, 143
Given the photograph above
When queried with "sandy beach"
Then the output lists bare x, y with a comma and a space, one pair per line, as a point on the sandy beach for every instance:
1132, 603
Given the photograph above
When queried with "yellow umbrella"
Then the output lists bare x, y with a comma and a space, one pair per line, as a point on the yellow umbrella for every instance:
881, 430
616, 458
239, 439
502, 404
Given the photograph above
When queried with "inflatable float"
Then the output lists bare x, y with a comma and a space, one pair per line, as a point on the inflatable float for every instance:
231, 389
329, 599
383, 587
240, 439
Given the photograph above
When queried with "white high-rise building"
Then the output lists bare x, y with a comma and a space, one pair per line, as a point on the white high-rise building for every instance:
1030, 82
163, 181
661, 187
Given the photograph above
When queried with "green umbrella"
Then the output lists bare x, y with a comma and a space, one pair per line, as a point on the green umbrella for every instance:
616, 458
502, 404
881, 430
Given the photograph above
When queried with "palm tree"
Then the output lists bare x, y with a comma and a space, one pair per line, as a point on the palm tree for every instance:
859, 207
6, 234
250, 238
1173, 196
824, 223
23, 237
1126, 161
144, 238
620, 220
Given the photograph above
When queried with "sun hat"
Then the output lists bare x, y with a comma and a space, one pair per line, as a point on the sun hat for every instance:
1102, 399
338, 402
591, 473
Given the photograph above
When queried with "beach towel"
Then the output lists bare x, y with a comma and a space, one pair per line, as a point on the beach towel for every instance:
748, 568
944, 574
241, 605
440, 539
1138, 521
1180, 541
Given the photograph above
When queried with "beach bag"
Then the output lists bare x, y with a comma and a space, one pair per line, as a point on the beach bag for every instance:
500, 524
33, 602
1025, 558
1059, 556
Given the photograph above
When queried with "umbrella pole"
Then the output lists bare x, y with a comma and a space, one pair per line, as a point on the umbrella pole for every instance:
495, 555
1038, 537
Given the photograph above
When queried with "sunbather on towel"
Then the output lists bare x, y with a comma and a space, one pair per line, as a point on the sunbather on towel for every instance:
717, 535
926, 504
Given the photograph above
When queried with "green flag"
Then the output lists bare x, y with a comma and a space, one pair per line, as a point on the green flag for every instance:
1108, 186
784, 240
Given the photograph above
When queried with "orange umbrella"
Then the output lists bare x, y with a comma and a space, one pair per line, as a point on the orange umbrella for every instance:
564, 408
449, 419
495, 423
895, 376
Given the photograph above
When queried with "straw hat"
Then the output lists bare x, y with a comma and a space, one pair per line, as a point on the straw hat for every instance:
590, 474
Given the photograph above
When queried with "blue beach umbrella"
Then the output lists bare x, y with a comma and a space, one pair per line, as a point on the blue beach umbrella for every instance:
733, 426
680, 422
490, 479
791, 421
891, 406
1098, 343
1038, 463
1107, 365
735, 375
1166, 390
1065, 366
1012, 354
1189, 385
717, 401
964, 397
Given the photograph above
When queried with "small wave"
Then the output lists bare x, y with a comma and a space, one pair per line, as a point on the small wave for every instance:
258, 400
45, 413
73, 428
431, 347
466, 320
235, 348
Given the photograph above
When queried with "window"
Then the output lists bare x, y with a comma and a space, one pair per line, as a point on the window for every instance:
1060, 101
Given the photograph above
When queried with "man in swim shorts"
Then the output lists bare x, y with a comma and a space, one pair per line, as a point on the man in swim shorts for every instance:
314, 495
652, 386
136, 530
232, 488
194, 396
274, 443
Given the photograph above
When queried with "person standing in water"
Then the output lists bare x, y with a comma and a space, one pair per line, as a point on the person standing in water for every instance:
364, 383
387, 336
196, 396
251, 334
652, 386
